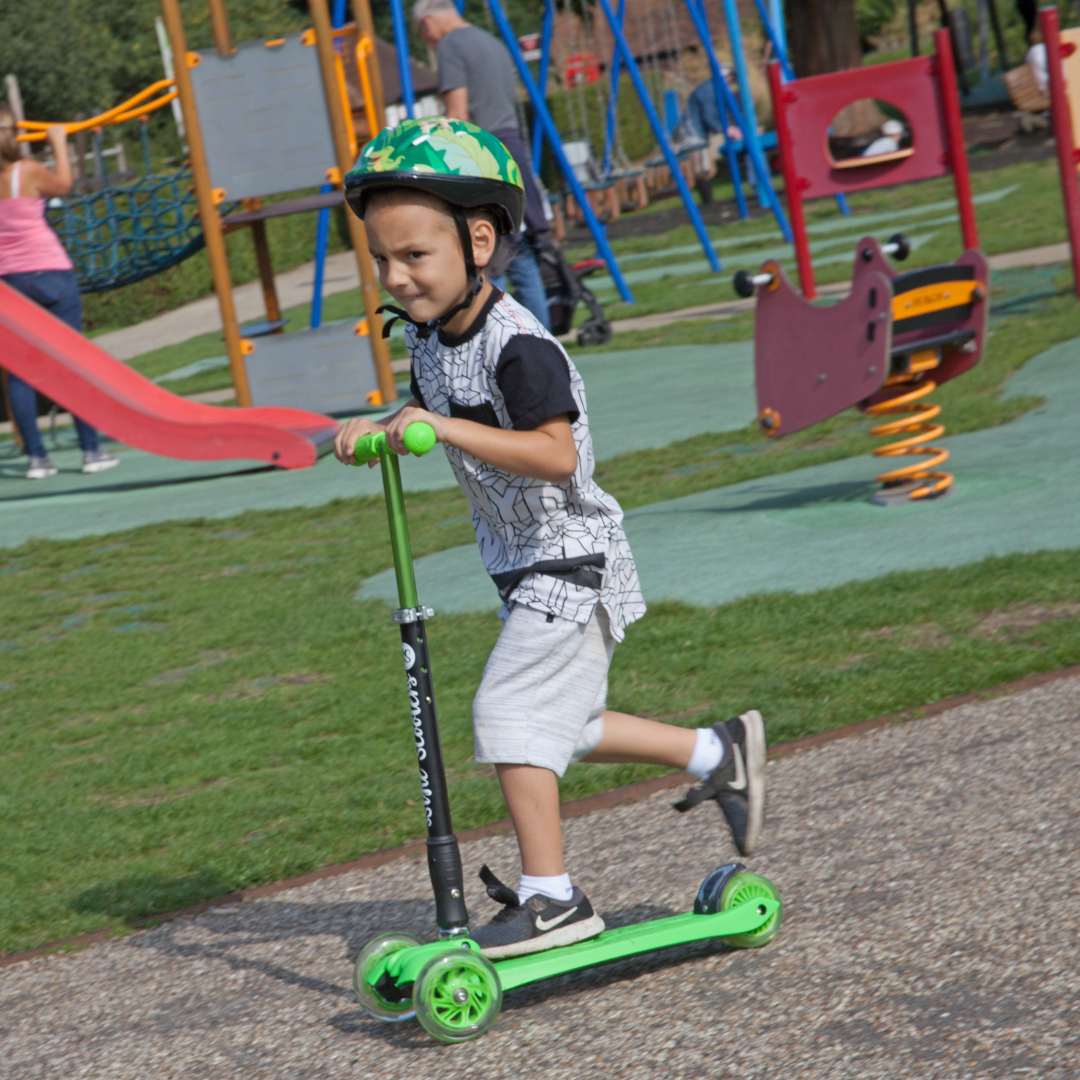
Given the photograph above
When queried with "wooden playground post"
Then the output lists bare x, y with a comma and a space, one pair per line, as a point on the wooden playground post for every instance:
1063, 135
219, 21
208, 211
365, 26
369, 285
266, 270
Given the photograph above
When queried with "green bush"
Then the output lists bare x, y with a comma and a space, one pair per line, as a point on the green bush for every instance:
87, 55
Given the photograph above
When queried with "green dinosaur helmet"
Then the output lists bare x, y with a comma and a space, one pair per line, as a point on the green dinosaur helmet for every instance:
458, 161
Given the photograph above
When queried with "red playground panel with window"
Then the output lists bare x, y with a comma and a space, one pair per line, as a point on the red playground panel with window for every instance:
923, 89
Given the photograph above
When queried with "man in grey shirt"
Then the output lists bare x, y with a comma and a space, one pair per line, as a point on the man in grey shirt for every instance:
478, 83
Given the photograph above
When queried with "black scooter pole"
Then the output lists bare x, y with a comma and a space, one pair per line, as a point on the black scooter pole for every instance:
444, 857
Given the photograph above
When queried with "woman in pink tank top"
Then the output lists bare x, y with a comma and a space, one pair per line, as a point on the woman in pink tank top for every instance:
33, 261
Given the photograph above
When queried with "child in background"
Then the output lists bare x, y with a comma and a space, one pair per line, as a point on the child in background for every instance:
34, 262
509, 407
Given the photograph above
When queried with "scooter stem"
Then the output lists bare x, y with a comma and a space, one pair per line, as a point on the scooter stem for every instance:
444, 857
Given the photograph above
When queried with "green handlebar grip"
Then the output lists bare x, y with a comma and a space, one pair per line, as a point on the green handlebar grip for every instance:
369, 447
419, 438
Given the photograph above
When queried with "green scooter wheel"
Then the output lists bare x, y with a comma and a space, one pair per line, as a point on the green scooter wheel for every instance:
457, 995
371, 1001
741, 889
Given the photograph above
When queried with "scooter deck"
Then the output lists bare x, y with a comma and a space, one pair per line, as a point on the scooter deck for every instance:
404, 966
631, 940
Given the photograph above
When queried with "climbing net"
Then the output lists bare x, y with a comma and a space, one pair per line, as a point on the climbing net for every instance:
120, 235
123, 233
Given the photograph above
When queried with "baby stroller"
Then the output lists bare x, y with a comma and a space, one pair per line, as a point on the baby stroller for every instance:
565, 287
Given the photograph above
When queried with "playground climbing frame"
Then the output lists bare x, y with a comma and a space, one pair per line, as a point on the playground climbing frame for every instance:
337, 154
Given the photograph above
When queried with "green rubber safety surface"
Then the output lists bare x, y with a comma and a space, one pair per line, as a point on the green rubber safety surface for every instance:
1017, 490
638, 398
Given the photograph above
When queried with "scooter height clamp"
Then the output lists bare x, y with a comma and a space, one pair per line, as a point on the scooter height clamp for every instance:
411, 614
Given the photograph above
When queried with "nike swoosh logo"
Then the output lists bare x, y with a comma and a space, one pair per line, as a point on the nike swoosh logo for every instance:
739, 783
541, 925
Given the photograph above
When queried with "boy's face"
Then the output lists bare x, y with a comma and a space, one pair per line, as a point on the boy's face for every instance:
418, 252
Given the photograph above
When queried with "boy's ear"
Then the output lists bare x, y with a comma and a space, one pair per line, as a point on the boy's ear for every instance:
485, 239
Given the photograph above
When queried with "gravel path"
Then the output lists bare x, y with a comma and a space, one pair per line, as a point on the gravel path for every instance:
930, 872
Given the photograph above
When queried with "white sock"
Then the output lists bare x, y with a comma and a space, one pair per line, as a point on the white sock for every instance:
708, 753
557, 887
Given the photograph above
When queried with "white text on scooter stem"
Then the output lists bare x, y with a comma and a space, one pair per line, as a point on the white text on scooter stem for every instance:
414, 706
425, 790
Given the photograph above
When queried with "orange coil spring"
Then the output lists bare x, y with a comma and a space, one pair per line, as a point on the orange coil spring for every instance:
914, 421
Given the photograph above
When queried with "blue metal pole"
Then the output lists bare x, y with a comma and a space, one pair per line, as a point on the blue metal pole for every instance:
753, 148
542, 78
777, 42
776, 9
661, 137
401, 41
717, 74
322, 230
749, 128
552, 135
322, 242
613, 97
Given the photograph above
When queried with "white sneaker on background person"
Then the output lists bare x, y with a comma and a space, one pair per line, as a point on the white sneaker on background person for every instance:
40, 468
95, 461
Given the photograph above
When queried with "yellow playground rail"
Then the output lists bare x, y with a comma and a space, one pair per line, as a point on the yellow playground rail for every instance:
132, 109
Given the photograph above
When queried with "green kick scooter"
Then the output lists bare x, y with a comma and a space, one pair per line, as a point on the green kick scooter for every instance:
449, 985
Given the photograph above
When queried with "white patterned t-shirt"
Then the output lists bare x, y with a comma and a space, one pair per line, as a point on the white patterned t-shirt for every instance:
557, 548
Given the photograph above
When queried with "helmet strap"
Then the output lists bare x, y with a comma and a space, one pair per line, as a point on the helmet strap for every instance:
466, 242
470, 270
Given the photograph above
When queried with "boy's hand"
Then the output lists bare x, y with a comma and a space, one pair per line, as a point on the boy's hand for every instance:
348, 435
395, 427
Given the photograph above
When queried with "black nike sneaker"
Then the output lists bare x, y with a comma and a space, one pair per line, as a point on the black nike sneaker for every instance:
540, 923
737, 784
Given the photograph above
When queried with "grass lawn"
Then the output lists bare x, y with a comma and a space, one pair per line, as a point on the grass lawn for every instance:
195, 707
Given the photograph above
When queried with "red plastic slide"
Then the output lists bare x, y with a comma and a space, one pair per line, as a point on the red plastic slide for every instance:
72, 371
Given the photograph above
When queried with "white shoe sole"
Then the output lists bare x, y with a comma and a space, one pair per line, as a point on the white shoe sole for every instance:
100, 466
41, 474
755, 777
564, 935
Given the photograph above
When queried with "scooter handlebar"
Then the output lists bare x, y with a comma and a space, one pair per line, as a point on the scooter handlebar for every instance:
419, 438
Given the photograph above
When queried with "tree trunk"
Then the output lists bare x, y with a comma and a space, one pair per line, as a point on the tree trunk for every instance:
823, 36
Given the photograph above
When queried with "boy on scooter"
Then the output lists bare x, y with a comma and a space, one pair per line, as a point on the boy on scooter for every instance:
508, 405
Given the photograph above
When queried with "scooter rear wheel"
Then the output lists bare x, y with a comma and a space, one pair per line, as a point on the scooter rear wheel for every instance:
741, 889
370, 1000
457, 995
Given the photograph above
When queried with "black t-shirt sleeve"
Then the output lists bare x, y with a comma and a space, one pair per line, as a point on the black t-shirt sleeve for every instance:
534, 379
414, 389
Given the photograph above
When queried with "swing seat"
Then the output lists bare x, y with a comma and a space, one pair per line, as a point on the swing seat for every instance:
766, 142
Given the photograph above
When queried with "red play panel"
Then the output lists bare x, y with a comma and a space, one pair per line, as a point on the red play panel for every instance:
923, 89
812, 362
811, 105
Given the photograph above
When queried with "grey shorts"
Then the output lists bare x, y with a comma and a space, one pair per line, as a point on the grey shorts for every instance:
542, 698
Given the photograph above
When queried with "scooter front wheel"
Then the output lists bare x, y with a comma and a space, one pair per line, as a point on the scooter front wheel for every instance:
370, 1000
743, 888
457, 995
